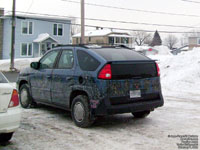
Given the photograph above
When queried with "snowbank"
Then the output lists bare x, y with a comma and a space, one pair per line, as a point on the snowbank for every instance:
180, 74
19, 63
163, 50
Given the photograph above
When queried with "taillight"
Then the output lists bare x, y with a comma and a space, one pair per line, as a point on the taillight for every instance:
158, 70
105, 72
14, 99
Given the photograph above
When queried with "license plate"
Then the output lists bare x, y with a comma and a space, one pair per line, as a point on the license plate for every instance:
135, 94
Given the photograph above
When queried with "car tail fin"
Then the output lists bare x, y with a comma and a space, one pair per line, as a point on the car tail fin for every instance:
14, 99
105, 72
158, 70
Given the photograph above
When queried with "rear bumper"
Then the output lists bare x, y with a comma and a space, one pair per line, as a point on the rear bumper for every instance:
105, 108
10, 121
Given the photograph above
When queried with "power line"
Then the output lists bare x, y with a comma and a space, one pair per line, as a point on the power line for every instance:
191, 1
138, 10
30, 6
106, 27
115, 21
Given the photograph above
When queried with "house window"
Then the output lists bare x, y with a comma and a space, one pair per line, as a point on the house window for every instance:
125, 40
53, 45
58, 29
76, 40
111, 40
90, 39
198, 41
26, 49
27, 27
118, 40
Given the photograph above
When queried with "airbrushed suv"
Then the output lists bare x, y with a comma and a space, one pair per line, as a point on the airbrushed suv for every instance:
92, 81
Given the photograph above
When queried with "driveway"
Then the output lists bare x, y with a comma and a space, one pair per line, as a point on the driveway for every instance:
47, 128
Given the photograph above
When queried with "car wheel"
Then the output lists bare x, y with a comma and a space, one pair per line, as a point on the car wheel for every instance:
142, 114
5, 137
80, 112
24, 96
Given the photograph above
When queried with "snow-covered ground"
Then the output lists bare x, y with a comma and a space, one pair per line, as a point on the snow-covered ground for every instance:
18, 64
47, 128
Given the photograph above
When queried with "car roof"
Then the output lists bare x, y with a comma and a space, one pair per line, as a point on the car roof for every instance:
109, 53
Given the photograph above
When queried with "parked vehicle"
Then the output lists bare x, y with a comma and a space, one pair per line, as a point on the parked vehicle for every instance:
10, 113
92, 81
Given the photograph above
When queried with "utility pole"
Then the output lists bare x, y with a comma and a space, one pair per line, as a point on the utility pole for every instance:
13, 38
82, 21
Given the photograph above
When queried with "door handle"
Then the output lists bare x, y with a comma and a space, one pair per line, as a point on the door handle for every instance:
48, 76
68, 78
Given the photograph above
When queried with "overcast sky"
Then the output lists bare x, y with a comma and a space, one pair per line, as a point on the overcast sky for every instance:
59, 7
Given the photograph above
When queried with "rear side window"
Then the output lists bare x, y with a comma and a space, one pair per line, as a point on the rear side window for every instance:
66, 60
86, 61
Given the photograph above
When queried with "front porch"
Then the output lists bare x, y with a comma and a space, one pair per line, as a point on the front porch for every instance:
43, 43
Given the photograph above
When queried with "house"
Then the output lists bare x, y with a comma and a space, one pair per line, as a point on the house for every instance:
193, 42
34, 35
106, 37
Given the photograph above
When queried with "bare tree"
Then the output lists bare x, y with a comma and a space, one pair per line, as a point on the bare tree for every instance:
75, 28
141, 38
170, 41
183, 41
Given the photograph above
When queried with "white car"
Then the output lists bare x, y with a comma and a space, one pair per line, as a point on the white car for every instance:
10, 111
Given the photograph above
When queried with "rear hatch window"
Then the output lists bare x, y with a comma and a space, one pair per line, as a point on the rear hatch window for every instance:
133, 70
119, 54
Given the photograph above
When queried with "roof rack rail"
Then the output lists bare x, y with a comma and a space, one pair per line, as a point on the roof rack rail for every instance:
95, 45
72, 45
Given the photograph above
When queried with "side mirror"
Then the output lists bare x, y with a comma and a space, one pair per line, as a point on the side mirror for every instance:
35, 65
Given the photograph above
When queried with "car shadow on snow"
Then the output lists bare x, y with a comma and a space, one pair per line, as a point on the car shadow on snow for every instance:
120, 121
110, 121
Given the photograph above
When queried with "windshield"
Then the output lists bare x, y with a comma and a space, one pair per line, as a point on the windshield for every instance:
3, 78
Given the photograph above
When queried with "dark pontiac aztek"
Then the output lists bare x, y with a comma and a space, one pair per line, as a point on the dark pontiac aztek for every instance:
92, 81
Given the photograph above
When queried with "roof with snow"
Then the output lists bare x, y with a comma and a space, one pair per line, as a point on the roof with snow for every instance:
42, 37
102, 33
41, 17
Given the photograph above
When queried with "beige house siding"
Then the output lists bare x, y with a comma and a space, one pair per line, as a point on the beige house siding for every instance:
193, 42
92, 40
95, 40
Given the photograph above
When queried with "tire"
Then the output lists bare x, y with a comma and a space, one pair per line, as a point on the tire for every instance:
80, 112
142, 114
5, 137
25, 98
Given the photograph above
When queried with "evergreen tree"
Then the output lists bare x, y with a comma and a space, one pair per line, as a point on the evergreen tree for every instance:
156, 39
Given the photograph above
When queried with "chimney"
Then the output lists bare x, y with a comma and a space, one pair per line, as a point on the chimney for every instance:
1, 32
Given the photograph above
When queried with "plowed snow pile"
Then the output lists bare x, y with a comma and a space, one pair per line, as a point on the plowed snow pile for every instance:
180, 74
